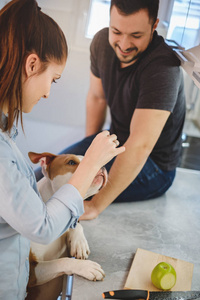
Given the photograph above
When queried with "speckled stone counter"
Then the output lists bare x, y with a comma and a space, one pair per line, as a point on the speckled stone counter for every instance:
169, 225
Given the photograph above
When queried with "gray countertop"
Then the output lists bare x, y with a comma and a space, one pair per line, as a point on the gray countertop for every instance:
169, 225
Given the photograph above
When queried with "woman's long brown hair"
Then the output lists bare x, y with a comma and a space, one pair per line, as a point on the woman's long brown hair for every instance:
24, 29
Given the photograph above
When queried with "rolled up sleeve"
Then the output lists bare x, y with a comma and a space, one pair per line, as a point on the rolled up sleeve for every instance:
23, 209
74, 202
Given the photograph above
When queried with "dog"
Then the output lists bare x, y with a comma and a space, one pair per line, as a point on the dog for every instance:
48, 261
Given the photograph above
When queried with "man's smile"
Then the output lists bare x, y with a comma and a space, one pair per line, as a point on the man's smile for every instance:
126, 52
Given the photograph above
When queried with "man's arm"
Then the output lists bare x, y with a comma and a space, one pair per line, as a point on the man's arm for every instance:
95, 106
145, 129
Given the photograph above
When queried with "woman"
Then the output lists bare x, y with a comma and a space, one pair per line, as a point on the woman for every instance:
33, 53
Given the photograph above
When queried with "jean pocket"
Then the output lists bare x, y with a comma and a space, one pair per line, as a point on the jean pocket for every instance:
149, 172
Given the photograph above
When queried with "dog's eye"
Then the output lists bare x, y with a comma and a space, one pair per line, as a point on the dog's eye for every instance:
71, 162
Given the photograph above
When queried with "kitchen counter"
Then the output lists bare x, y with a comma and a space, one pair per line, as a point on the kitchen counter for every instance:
168, 225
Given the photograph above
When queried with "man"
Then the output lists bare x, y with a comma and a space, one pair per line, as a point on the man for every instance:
138, 76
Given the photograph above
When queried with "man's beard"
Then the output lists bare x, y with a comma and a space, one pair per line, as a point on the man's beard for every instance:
131, 59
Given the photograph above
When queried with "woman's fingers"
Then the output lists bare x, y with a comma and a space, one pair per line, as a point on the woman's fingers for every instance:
114, 141
113, 138
104, 147
105, 132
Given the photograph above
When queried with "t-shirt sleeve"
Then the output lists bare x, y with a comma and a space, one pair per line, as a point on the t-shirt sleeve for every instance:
93, 56
159, 85
98, 52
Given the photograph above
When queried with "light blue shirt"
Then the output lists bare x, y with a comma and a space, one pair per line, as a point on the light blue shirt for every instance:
24, 216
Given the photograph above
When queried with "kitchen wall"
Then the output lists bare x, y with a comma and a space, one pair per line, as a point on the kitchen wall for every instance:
66, 103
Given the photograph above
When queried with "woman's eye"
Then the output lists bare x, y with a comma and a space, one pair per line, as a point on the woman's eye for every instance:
71, 162
54, 81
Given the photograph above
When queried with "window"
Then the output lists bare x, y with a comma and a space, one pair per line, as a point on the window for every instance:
98, 16
184, 26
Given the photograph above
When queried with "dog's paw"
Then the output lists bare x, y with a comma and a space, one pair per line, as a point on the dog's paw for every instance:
88, 269
77, 243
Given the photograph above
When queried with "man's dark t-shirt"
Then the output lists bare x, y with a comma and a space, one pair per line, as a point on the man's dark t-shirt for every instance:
154, 81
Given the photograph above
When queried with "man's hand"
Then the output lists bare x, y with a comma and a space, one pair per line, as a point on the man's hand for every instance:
90, 211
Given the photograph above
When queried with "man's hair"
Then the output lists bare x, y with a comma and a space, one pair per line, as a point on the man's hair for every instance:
128, 7
25, 29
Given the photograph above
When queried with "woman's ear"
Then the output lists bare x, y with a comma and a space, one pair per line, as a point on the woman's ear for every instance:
32, 65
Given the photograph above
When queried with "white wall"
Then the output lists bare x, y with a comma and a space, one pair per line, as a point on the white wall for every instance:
66, 103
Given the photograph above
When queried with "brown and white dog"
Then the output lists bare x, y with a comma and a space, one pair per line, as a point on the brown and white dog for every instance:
48, 261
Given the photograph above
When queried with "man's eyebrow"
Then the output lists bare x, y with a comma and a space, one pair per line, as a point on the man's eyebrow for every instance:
137, 32
114, 28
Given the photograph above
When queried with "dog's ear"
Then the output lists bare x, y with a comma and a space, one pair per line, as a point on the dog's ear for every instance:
36, 157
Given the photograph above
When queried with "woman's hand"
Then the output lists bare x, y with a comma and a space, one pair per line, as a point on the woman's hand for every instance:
103, 149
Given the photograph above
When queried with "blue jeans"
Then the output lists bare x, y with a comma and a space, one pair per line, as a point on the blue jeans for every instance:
150, 183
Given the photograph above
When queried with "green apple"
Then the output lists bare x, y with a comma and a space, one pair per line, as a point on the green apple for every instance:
163, 276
